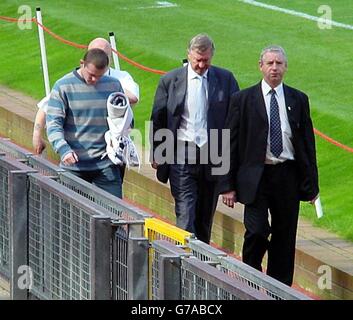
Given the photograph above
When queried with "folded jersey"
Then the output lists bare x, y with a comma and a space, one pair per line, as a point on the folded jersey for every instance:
120, 148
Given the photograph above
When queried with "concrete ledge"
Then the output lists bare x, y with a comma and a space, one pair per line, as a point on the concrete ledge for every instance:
318, 252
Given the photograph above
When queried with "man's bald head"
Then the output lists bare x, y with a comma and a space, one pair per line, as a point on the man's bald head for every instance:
101, 43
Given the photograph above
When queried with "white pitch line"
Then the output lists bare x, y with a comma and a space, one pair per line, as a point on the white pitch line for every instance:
296, 13
158, 5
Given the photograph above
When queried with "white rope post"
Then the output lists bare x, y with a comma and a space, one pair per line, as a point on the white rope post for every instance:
43, 52
115, 56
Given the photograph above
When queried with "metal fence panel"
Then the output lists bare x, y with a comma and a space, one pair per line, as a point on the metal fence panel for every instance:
11, 196
79, 249
201, 281
126, 284
156, 229
62, 247
120, 264
242, 272
130, 262
13, 151
258, 280
43, 166
205, 252
4, 223
166, 270
118, 207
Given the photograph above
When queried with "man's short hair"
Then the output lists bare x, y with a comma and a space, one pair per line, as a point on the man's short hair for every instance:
97, 57
274, 48
201, 43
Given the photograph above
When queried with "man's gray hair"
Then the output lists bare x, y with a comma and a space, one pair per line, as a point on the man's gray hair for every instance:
274, 48
201, 43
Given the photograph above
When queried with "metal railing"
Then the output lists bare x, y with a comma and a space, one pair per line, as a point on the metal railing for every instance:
165, 270
4, 223
12, 150
13, 220
88, 252
71, 241
43, 166
68, 241
243, 272
130, 263
156, 229
130, 248
80, 242
102, 198
179, 275
200, 281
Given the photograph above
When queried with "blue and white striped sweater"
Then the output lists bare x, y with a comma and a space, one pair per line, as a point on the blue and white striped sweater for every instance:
77, 119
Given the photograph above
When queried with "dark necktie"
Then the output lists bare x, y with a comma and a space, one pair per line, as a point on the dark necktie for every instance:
276, 145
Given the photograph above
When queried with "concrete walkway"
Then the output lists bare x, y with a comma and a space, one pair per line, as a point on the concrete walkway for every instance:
316, 248
4, 290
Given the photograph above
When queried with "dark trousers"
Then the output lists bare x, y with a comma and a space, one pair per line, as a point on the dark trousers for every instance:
195, 199
108, 179
277, 194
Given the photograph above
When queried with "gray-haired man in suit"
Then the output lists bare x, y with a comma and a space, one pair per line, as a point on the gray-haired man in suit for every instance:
191, 104
273, 164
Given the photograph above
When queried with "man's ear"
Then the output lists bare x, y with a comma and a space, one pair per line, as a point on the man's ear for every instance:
82, 62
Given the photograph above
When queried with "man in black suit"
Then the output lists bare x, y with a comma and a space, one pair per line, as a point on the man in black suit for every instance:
273, 164
189, 113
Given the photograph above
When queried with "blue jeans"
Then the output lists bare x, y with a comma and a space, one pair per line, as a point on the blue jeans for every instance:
108, 179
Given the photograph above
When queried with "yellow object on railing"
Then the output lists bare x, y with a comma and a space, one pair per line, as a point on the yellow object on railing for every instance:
156, 229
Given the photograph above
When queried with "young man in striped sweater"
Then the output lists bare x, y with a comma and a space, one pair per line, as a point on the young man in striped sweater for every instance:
77, 120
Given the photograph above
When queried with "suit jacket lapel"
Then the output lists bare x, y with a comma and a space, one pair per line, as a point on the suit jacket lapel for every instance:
293, 110
212, 85
180, 85
259, 102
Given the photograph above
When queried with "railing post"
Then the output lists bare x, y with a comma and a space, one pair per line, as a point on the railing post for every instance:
170, 278
21, 279
100, 258
138, 268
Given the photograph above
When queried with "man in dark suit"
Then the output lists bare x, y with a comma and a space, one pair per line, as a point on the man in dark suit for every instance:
188, 115
273, 164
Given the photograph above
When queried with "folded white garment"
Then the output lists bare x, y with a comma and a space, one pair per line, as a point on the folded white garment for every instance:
117, 105
120, 148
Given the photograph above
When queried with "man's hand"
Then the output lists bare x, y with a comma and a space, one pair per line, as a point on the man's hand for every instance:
38, 143
37, 140
229, 198
312, 201
132, 98
154, 165
70, 159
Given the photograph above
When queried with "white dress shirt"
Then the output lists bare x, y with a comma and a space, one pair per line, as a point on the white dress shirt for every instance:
127, 82
193, 125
